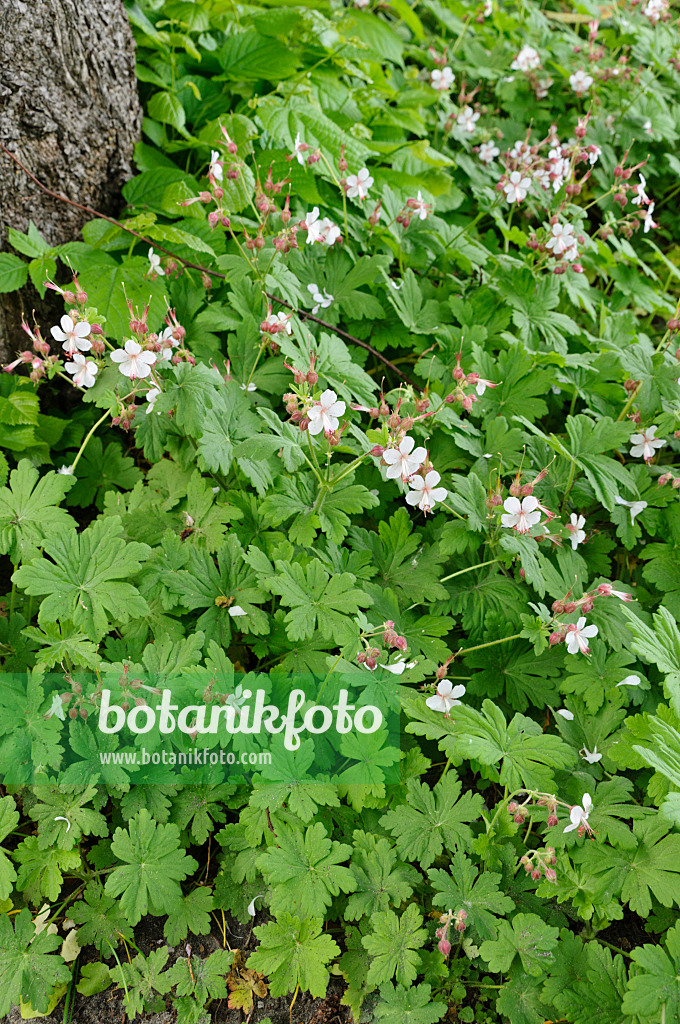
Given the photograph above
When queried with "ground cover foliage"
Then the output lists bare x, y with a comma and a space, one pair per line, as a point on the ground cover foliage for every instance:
395, 396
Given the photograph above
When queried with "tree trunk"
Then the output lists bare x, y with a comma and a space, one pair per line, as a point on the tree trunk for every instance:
70, 112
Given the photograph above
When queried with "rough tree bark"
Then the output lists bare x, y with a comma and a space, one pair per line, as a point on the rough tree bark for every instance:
70, 111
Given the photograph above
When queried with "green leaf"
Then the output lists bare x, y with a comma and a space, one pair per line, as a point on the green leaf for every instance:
154, 866
191, 914
80, 579
29, 513
526, 936
380, 880
9, 819
652, 869
462, 888
166, 108
13, 272
202, 979
656, 985
29, 967
101, 919
304, 871
413, 1005
141, 979
60, 802
316, 600
294, 952
433, 819
393, 943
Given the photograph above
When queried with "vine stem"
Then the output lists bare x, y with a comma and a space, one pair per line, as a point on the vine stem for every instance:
206, 270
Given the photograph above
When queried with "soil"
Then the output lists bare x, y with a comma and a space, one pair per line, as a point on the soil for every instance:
108, 1007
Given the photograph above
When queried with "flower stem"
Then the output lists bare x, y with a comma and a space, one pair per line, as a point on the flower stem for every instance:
470, 568
491, 643
87, 439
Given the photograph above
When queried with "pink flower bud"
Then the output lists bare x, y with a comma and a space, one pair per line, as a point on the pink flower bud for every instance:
444, 947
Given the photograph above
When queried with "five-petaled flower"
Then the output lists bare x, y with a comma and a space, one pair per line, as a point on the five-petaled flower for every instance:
488, 152
521, 515
322, 300
132, 361
575, 527
644, 444
446, 697
580, 82
83, 370
517, 188
324, 414
405, 460
73, 333
579, 816
425, 493
359, 184
441, 79
528, 59
321, 229
636, 507
578, 636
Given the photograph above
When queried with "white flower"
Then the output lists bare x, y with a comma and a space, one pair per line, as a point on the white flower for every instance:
398, 667
281, 318
562, 239
235, 611
593, 154
630, 681
323, 301
578, 535
521, 515
155, 264
321, 229
66, 470
73, 334
425, 493
648, 129
647, 217
441, 79
236, 699
84, 370
655, 9
359, 184
467, 119
517, 188
215, 165
151, 396
324, 414
57, 708
568, 715
640, 194
528, 59
577, 636
248, 387
592, 757
644, 444
419, 206
446, 697
521, 151
133, 362
636, 507
488, 152
580, 82
542, 87
404, 461
579, 815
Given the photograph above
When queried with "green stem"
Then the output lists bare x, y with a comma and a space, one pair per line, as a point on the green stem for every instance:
470, 568
348, 469
491, 643
87, 439
615, 948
